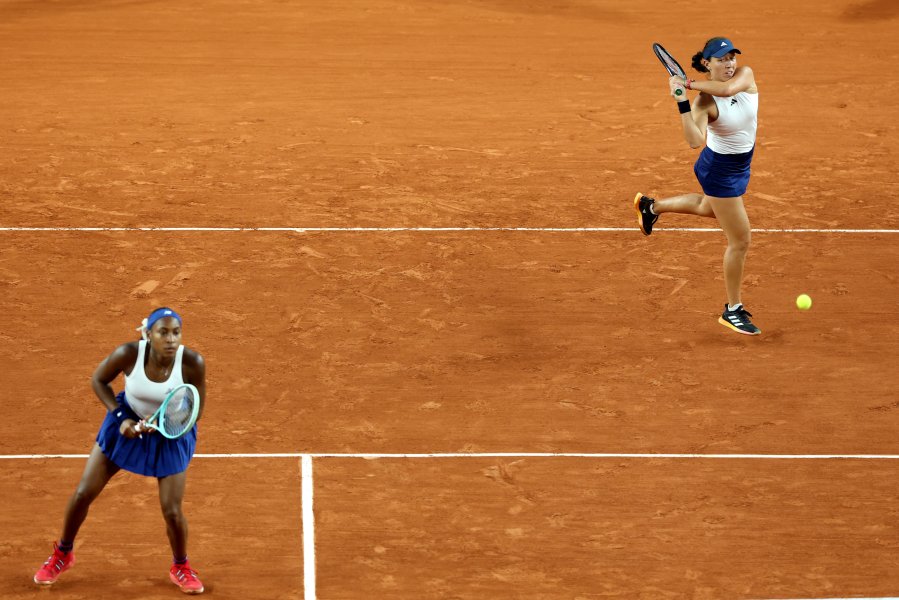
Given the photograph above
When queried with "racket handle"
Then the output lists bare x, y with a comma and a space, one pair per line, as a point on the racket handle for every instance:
678, 92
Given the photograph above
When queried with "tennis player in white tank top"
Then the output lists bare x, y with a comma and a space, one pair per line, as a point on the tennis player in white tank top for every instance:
145, 396
723, 117
151, 367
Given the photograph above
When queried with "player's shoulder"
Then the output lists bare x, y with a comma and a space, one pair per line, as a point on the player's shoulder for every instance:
747, 77
193, 367
124, 355
128, 349
192, 357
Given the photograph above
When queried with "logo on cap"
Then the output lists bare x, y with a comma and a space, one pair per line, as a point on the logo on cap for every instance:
724, 43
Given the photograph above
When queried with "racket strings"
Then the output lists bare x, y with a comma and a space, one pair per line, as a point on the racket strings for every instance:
178, 413
672, 66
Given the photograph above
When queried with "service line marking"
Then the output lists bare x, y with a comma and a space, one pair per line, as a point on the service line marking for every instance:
432, 229
598, 455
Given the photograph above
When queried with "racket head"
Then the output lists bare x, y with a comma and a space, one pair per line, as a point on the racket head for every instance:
179, 411
672, 66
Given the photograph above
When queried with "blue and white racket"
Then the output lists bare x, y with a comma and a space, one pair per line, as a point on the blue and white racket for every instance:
177, 413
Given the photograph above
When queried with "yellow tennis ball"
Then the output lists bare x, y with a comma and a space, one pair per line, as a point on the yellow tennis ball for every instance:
804, 302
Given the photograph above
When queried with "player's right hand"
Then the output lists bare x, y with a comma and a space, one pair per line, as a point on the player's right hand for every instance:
678, 83
130, 429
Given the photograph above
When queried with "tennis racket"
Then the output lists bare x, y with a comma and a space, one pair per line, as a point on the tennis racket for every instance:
177, 413
673, 67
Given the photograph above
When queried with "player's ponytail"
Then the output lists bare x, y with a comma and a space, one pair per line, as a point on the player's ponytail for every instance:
697, 63
142, 329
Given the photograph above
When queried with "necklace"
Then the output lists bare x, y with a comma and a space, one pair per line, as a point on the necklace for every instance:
168, 370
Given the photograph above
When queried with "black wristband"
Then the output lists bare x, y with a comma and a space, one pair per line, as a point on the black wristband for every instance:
683, 106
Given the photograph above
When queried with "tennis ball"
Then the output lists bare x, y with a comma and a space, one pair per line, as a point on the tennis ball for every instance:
804, 302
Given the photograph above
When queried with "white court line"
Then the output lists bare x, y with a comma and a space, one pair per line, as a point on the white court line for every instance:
432, 229
308, 529
373, 456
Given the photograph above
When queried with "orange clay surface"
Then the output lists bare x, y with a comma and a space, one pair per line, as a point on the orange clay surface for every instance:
476, 113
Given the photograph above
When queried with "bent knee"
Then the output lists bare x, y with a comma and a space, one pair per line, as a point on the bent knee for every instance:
172, 514
84, 496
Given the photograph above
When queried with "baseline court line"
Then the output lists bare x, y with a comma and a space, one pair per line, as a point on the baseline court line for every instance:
373, 456
430, 229
308, 528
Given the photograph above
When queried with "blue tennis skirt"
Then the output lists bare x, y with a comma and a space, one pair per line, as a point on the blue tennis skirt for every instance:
723, 175
152, 455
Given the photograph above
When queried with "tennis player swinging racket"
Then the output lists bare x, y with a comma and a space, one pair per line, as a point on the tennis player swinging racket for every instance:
724, 118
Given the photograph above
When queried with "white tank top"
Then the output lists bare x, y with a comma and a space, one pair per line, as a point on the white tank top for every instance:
733, 132
145, 396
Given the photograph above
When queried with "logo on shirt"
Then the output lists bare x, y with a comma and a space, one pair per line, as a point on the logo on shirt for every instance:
733, 101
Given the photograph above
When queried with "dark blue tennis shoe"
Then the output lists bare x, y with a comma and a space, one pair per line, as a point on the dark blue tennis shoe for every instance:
738, 320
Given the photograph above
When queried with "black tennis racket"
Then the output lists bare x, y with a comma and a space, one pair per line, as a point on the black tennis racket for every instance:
673, 67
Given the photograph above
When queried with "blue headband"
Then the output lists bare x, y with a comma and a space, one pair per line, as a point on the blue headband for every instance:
161, 313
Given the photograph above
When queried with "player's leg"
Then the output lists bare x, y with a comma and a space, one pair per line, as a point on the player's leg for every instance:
171, 495
648, 209
685, 204
732, 217
97, 473
734, 221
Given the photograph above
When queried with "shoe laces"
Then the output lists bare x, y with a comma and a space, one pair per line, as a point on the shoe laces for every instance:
185, 573
56, 561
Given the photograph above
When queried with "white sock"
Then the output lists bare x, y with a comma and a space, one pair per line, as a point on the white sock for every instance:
735, 307
651, 208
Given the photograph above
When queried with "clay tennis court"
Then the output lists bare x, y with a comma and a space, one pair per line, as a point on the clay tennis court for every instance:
405, 228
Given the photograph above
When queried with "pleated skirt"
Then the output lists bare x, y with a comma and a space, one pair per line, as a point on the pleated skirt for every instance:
152, 455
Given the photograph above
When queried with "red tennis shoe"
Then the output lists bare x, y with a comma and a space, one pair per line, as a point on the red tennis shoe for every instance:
58, 563
186, 578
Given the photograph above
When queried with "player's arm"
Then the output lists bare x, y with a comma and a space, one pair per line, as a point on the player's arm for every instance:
696, 119
119, 361
696, 122
742, 81
194, 371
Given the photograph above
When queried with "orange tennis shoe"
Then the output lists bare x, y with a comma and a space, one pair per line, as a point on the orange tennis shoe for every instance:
186, 578
58, 563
